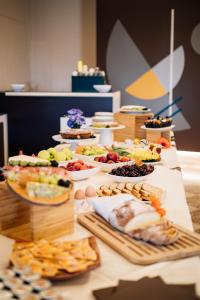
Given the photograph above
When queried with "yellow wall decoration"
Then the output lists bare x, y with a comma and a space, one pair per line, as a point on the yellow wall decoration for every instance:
147, 87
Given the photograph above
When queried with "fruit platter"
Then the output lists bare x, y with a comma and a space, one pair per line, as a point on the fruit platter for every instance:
26, 160
131, 173
150, 154
88, 152
39, 185
52, 155
79, 170
112, 160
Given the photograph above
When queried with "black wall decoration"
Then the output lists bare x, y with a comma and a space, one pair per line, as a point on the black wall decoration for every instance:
133, 45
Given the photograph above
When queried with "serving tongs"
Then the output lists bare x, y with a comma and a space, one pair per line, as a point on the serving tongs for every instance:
168, 106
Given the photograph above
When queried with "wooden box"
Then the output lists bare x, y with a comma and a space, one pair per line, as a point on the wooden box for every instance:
25, 221
133, 123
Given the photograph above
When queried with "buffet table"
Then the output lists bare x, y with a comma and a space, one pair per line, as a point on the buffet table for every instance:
113, 266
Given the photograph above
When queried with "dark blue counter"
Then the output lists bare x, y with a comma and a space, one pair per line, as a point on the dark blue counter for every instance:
34, 117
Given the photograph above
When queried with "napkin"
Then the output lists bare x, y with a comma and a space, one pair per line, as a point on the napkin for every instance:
146, 288
6, 245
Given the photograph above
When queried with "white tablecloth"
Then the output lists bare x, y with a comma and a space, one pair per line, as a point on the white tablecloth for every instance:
114, 266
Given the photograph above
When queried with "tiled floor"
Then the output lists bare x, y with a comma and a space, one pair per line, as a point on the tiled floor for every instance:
190, 165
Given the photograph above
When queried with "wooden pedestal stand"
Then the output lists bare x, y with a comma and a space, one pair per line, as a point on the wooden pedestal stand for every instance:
25, 221
132, 123
153, 136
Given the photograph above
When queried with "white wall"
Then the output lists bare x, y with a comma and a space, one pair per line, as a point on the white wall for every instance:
14, 42
62, 32
41, 41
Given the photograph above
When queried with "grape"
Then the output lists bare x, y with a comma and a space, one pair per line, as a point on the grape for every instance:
133, 170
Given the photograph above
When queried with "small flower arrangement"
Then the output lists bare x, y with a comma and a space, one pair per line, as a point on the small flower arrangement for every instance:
76, 118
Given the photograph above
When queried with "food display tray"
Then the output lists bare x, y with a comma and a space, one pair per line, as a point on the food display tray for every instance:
140, 252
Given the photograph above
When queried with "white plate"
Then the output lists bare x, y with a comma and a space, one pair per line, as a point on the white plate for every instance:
129, 179
158, 129
87, 157
58, 138
132, 109
83, 174
135, 111
110, 128
108, 167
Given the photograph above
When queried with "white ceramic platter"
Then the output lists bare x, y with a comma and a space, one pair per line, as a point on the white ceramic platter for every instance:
82, 174
158, 129
129, 179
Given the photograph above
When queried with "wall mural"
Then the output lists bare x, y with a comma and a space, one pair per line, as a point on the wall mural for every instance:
133, 47
129, 71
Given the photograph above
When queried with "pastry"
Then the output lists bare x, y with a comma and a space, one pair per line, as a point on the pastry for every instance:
158, 122
76, 134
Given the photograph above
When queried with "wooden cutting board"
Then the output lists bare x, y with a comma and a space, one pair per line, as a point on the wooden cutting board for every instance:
139, 252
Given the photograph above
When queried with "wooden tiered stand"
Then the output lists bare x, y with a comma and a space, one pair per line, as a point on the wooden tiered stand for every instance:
133, 123
26, 221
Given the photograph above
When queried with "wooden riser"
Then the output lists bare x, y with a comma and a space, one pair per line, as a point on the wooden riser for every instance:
133, 123
21, 220
139, 252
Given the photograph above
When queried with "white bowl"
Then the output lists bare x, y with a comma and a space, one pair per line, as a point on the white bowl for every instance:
17, 87
102, 88
108, 167
129, 179
82, 174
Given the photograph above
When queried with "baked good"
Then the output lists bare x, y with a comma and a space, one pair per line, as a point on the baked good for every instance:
54, 258
142, 191
136, 219
160, 233
76, 134
158, 122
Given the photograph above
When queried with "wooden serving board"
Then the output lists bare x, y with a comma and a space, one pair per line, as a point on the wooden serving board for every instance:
21, 192
139, 252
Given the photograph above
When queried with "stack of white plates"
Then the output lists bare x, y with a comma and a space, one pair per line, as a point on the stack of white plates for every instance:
102, 119
104, 114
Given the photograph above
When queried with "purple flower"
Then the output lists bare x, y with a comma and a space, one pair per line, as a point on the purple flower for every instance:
75, 111
76, 120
